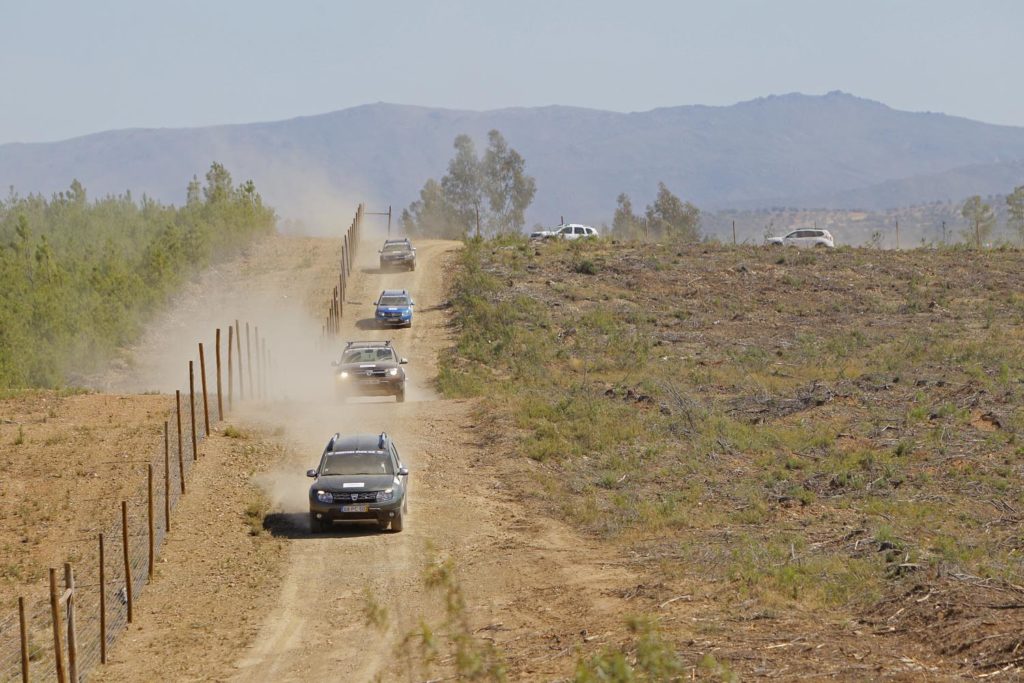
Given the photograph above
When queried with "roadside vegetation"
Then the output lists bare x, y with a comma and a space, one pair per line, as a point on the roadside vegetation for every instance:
803, 442
79, 277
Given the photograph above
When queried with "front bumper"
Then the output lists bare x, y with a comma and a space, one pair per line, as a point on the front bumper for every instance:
332, 512
396, 321
377, 386
398, 262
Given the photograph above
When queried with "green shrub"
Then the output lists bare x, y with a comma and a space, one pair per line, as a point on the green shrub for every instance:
81, 278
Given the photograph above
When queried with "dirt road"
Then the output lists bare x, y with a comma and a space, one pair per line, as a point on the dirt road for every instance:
542, 594
318, 629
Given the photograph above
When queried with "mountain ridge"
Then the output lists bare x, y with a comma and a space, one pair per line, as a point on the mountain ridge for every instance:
790, 149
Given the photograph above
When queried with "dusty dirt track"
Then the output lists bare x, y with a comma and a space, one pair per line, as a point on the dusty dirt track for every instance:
543, 594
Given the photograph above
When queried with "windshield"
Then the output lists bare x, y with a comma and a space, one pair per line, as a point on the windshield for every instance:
356, 463
368, 356
395, 247
393, 301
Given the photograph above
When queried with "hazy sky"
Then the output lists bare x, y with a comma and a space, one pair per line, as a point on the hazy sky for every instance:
71, 68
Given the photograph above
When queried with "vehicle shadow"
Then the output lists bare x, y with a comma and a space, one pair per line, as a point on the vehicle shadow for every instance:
368, 324
295, 525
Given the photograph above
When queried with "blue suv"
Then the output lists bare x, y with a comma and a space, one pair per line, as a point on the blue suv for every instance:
394, 308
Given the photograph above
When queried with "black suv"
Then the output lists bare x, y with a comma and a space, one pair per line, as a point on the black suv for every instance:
370, 368
359, 478
398, 254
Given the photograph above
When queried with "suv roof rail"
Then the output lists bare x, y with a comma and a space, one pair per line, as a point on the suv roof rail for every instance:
370, 343
382, 439
330, 444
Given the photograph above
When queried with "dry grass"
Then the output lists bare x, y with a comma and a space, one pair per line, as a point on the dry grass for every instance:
811, 433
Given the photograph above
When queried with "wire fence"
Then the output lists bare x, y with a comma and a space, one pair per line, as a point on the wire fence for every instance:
168, 469
108, 576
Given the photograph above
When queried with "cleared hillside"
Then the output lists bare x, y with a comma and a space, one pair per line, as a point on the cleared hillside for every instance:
811, 459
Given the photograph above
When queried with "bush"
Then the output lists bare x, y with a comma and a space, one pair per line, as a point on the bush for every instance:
80, 278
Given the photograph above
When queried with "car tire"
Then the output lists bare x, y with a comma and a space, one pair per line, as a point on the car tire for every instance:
316, 526
400, 396
397, 522
412, 267
383, 525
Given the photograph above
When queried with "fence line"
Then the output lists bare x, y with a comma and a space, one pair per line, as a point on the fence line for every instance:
108, 576
336, 306
97, 611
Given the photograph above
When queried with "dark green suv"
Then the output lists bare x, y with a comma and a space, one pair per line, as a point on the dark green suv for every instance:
359, 478
371, 368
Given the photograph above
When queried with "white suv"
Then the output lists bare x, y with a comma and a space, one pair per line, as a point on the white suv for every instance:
804, 238
574, 231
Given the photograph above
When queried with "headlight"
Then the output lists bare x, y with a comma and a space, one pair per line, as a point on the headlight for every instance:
343, 375
385, 496
393, 372
325, 496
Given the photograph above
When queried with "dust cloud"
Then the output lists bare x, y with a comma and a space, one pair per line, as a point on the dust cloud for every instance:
280, 286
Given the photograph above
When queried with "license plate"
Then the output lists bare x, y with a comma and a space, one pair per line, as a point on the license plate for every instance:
355, 508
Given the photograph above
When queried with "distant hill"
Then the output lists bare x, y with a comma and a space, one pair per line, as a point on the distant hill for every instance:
835, 150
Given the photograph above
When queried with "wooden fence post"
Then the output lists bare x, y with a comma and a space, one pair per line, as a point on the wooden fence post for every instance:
220, 401
181, 448
258, 386
238, 354
231, 383
167, 481
69, 584
127, 560
58, 645
151, 527
248, 358
103, 604
202, 377
24, 641
192, 408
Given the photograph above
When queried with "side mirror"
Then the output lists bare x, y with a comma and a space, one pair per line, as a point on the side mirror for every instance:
311, 474
403, 361
403, 471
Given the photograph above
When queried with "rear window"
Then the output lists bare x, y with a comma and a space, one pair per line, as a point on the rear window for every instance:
356, 463
395, 247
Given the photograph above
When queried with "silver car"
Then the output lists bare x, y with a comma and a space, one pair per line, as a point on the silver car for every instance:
804, 238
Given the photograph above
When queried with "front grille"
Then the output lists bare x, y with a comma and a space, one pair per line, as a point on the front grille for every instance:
360, 497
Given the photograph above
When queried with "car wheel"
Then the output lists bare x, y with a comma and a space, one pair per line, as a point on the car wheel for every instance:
397, 522
400, 396
412, 267
819, 245
383, 525
317, 526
